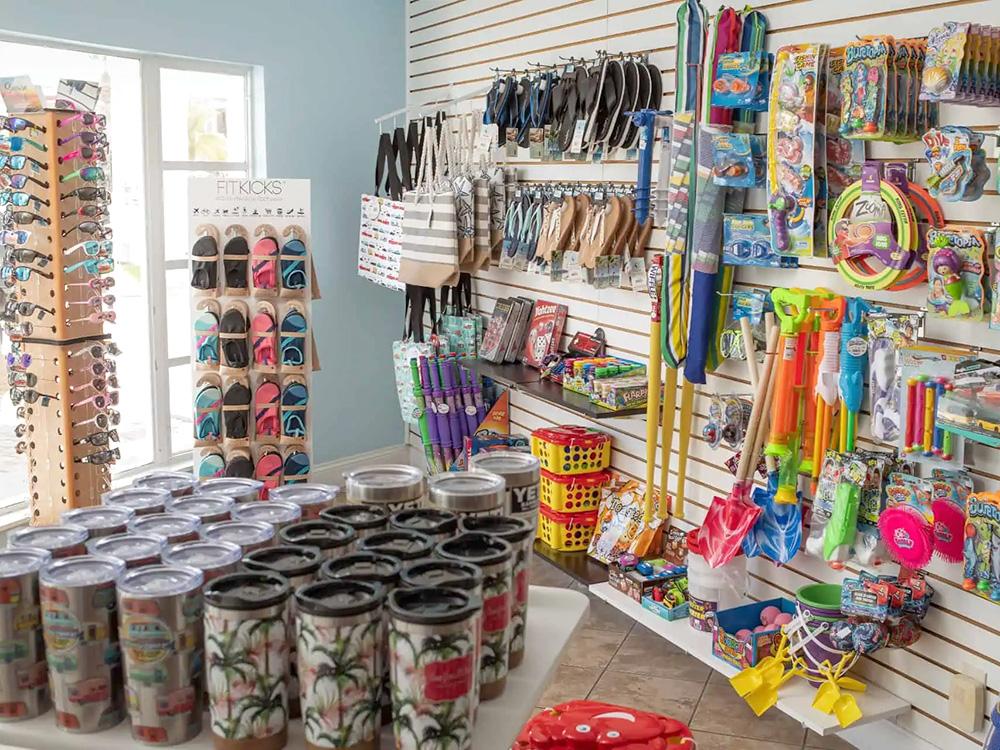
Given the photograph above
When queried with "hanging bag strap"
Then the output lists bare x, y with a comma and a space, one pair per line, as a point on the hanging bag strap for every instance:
418, 299
386, 177
404, 158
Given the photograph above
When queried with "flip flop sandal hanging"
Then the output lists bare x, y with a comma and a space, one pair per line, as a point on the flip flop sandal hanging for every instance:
206, 336
208, 410
239, 464
629, 97
236, 412
264, 335
267, 412
292, 342
205, 260
293, 263
294, 403
233, 330
235, 259
264, 263
211, 465
268, 471
297, 465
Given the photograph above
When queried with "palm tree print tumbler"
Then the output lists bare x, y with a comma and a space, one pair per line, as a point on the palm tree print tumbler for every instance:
24, 682
495, 558
160, 625
246, 655
432, 655
339, 634
80, 624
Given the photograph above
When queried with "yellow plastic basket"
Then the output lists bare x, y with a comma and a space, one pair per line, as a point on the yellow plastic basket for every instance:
573, 493
568, 532
571, 449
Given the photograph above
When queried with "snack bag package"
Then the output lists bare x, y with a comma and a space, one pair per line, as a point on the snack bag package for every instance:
621, 525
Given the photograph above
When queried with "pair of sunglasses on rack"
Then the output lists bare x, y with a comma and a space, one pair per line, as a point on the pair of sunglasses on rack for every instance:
21, 379
99, 400
87, 137
90, 211
12, 255
13, 309
107, 316
98, 368
19, 198
98, 301
91, 248
19, 161
97, 351
84, 153
17, 124
17, 143
98, 439
23, 218
18, 181
101, 457
89, 227
11, 274
87, 174
30, 396
101, 385
14, 236
103, 421
88, 194
94, 266
98, 122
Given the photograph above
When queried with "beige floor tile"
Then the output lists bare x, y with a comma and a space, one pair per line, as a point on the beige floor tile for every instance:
570, 683
592, 649
645, 652
544, 573
722, 711
833, 742
602, 616
710, 741
674, 698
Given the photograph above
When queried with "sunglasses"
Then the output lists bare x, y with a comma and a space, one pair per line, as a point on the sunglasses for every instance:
86, 136
92, 265
98, 367
88, 118
88, 194
97, 301
18, 162
22, 379
17, 143
30, 396
86, 153
108, 316
25, 255
89, 227
92, 210
22, 360
91, 248
20, 430
24, 217
17, 124
14, 236
98, 351
101, 457
87, 174
110, 418
17, 331
18, 181
101, 385
24, 309
97, 285
10, 273
98, 438
20, 199
100, 400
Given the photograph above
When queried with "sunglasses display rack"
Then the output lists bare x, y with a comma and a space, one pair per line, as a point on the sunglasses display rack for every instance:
252, 282
54, 279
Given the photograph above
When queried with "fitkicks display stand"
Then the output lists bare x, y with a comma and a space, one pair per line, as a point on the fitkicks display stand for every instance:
252, 283
63, 325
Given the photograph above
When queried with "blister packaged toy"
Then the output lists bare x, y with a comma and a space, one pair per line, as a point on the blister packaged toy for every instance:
728, 417
741, 81
962, 65
746, 241
887, 334
957, 161
843, 157
864, 88
956, 265
738, 160
971, 407
981, 545
927, 374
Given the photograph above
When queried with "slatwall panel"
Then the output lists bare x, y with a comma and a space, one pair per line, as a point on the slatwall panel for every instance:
452, 46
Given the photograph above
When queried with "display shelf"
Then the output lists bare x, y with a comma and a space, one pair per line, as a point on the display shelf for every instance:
554, 615
510, 375
577, 565
795, 697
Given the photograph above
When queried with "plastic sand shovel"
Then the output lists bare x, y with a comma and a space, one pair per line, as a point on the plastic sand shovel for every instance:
765, 697
767, 671
827, 696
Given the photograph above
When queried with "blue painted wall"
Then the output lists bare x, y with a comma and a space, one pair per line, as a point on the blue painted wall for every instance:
330, 67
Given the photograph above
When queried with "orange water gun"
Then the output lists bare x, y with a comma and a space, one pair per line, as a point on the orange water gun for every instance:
830, 314
792, 308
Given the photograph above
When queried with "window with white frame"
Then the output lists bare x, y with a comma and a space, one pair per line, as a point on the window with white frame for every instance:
168, 119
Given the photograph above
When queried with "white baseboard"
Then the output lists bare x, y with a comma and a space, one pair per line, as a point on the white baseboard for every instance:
332, 472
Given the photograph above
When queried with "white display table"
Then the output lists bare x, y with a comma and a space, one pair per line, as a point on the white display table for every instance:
553, 617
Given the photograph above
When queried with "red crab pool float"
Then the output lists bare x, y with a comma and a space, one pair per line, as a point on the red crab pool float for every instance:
587, 725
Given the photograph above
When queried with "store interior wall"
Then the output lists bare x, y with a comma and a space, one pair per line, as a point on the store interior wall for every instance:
329, 68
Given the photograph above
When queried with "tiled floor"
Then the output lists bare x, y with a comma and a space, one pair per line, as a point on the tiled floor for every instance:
615, 659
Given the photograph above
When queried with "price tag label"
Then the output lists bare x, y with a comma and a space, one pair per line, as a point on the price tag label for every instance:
576, 145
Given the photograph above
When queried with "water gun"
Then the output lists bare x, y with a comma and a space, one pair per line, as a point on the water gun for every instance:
830, 314
792, 308
807, 400
853, 365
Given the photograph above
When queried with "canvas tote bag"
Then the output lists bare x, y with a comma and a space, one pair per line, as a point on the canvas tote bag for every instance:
429, 251
381, 228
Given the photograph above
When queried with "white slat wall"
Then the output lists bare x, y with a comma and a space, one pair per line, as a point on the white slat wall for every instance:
452, 46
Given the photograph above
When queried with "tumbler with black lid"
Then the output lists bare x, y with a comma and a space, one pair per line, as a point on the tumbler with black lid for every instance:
207, 508
436, 523
249, 535
141, 499
246, 657
80, 624
391, 486
177, 483
468, 492
311, 497
135, 550
347, 614
521, 473
364, 519
238, 489
65, 540
174, 527
24, 679
212, 558
160, 625
520, 534
100, 520
372, 568
433, 667
407, 546
275, 513
333, 539
496, 559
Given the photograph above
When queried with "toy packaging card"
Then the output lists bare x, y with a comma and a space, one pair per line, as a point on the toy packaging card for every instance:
741, 81
864, 88
958, 163
946, 55
746, 241
982, 545
544, 332
738, 160
887, 334
956, 265
843, 157
621, 524
919, 363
